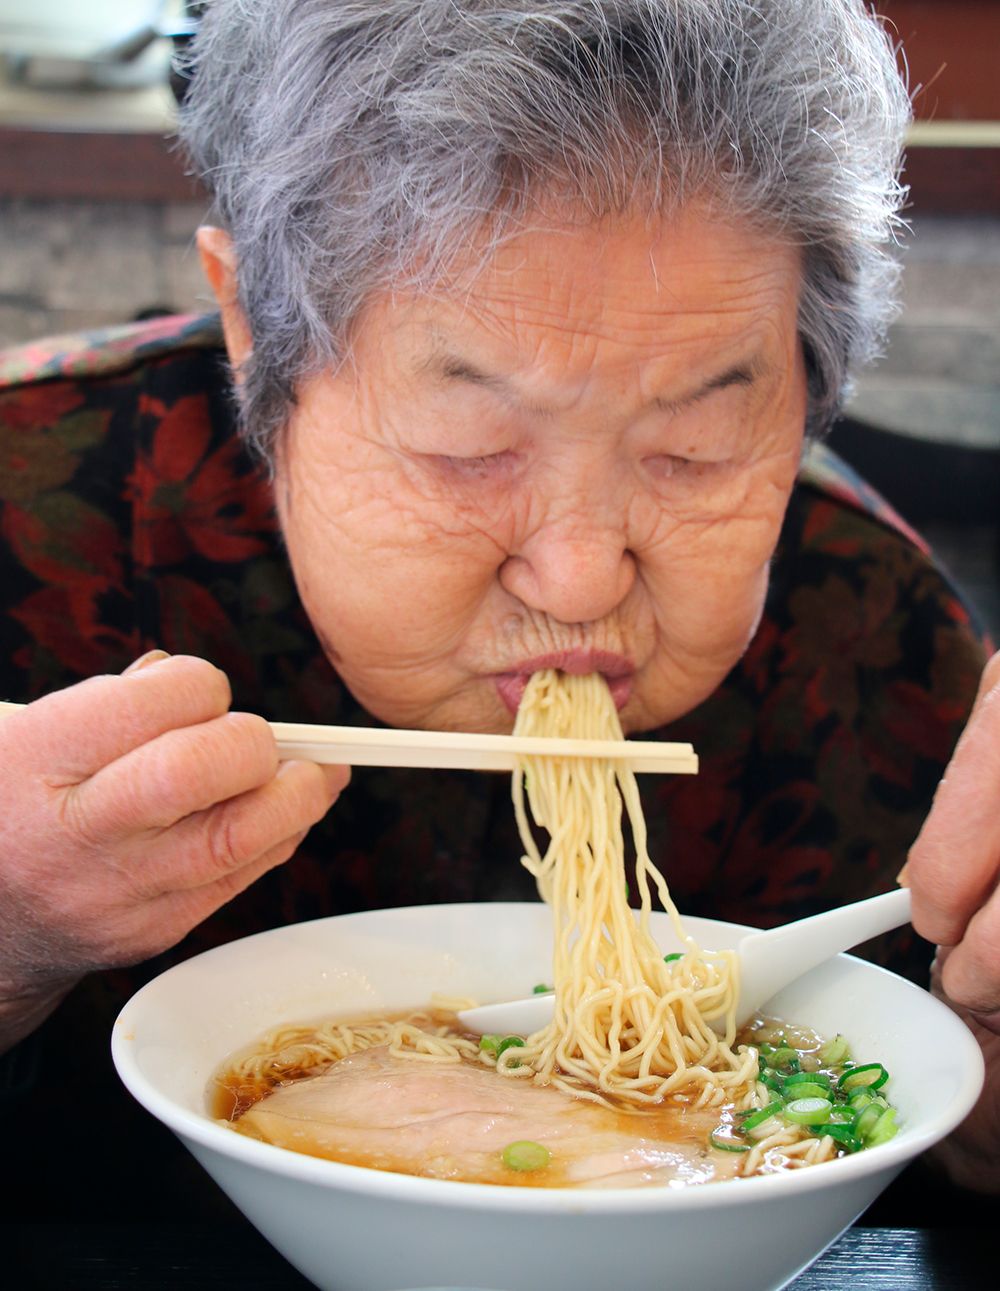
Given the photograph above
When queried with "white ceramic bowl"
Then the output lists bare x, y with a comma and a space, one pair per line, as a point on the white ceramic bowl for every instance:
352, 1229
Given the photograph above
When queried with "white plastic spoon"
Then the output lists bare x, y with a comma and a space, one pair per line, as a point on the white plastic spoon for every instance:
769, 960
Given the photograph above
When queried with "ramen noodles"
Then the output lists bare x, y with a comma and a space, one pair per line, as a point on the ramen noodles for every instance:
640, 1078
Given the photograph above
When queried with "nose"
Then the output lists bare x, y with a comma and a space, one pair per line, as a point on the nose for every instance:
574, 572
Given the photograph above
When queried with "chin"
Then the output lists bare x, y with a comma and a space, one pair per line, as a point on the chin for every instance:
648, 713
636, 718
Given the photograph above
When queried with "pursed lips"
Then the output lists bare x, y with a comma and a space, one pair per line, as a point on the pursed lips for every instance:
617, 671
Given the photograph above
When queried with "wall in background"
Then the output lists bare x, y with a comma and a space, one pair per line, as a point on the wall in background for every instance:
951, 49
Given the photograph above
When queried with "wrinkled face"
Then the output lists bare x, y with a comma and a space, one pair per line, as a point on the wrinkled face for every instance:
579, 457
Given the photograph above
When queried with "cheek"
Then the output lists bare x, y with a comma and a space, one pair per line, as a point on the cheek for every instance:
708, 577
382, 569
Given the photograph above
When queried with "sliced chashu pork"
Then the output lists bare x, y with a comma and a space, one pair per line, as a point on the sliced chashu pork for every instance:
453, 1121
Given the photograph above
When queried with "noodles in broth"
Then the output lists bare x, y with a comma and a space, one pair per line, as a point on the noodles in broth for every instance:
630, 1031
626, 1023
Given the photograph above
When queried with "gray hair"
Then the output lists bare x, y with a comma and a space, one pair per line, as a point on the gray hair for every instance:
348, 141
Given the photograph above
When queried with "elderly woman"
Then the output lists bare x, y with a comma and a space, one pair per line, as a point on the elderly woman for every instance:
532, 312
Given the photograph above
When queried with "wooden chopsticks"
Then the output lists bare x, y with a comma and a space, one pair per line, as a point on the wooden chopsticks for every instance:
367, 746
370, 746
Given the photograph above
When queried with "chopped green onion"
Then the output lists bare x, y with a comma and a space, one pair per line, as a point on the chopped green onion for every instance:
526, 1155
860, 1097
807, 1077
808, 1111
867, 1119
871, 1075
826, 1093
754, 1118
498, 1044
844, 1135
858, 1105
541, 989
727, 1145
885, 1129
669, 959
784, 1057
806, 1089
766, 1128
835, 1052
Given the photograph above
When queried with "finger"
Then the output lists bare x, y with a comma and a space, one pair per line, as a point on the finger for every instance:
171, 916
211, 845
70, 734
970, 972
133, 916
952, 866
173, 776
988, 683
989, 680
144, 661
176, 913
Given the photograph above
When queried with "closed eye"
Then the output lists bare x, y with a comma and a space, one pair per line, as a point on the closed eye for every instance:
665, 466
486, 466
698, 488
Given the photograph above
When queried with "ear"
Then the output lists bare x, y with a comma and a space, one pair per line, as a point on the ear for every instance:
218, 262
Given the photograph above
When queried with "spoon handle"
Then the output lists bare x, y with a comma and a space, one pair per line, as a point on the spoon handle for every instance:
769, 960
775, 957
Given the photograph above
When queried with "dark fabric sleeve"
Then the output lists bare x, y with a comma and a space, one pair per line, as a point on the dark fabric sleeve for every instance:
67, 613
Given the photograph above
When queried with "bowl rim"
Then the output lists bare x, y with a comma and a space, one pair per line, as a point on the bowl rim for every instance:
202, 1130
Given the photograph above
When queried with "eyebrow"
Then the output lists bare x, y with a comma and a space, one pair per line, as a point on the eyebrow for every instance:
452, 367
740, 374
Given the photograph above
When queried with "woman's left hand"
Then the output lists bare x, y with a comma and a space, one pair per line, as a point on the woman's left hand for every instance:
953, 871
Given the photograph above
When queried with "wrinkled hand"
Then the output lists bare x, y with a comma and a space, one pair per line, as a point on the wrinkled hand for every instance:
131, 808
953, 871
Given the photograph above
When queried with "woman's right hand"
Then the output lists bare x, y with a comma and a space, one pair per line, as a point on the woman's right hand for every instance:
132, 807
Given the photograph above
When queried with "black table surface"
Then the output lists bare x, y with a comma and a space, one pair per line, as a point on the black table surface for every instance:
231, 1255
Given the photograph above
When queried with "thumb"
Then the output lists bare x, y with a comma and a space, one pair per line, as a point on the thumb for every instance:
144, 660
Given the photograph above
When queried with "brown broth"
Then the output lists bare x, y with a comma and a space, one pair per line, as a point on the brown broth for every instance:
231, 1093
675, 1123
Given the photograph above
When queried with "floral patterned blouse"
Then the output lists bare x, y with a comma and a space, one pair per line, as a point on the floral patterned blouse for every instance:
131, 517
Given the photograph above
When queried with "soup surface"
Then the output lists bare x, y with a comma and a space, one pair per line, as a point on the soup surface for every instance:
385, 1106
455, 1120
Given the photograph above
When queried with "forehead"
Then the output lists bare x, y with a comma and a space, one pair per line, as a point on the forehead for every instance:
620, 288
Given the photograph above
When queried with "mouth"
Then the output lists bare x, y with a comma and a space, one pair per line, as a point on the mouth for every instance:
616, 670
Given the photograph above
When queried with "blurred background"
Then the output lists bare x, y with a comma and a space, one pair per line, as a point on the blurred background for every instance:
97, 217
